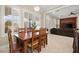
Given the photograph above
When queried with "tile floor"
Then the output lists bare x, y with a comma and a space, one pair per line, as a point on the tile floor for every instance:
56, 44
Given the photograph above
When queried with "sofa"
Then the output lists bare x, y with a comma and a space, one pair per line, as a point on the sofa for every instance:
63, 32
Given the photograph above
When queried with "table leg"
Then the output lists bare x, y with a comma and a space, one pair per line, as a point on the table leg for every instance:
17, 43
46, 39
25, 46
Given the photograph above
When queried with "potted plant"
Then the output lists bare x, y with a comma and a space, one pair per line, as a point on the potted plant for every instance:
8, 24
34, 25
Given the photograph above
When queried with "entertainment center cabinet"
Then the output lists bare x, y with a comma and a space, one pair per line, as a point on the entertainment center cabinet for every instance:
67, 26
68, 23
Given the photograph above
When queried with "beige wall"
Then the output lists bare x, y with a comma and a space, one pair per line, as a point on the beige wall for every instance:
78, 22
50, 22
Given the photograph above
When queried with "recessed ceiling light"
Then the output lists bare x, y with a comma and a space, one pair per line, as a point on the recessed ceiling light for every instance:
36, 8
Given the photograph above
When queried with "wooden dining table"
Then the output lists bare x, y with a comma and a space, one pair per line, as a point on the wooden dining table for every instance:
25, 40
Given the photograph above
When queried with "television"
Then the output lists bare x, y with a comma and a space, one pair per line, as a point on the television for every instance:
68, 26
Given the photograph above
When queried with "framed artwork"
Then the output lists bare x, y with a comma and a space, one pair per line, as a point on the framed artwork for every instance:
8, 11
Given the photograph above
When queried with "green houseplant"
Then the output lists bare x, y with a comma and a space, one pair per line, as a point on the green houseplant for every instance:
8, 24
34, 25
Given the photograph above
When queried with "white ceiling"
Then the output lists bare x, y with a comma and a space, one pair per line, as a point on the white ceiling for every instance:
65, 11
52, 10
43, 8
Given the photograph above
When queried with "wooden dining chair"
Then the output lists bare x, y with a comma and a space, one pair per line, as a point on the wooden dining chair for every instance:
21, 34
35, 42
29, 29
21, 29
43, 36
12, 47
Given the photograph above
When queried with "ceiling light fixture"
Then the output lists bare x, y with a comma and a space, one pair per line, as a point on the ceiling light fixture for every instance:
36, 8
